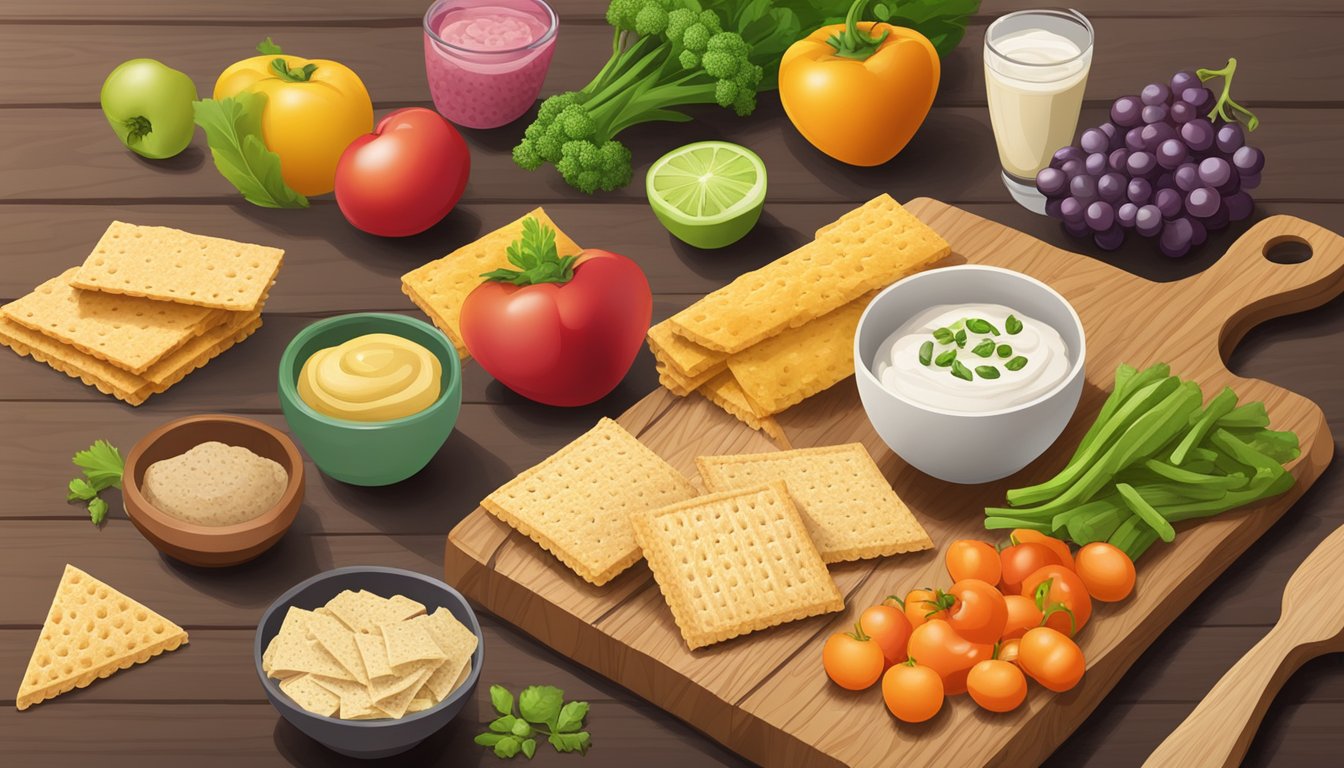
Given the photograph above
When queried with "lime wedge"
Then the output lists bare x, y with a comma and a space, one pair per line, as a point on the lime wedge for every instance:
708, 194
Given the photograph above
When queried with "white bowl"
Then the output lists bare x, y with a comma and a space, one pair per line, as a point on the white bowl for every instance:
957, 446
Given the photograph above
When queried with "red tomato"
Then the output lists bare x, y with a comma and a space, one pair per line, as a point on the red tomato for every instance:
852, 660
1065, 588
979, 612
889, 628
1059, 547
1022, 615
405, 176
1051, 658
922, 605
935, 644
971, 559
1107, 571
565, 343
1021, 560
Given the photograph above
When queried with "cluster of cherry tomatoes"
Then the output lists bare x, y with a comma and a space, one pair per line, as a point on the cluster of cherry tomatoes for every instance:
1010, 614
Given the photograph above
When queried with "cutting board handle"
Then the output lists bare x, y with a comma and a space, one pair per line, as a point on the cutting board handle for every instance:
1245, 288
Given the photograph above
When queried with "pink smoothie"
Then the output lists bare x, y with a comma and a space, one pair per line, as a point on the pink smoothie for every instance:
486, 59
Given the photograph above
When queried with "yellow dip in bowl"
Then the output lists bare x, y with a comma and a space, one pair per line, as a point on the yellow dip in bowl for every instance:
374, 377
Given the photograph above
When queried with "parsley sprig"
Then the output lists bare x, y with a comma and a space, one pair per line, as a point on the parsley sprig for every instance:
536, 258
102, 468
541, 711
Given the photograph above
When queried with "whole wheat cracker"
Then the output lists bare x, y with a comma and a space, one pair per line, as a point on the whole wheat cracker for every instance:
735, 562
725, 392
306, 692
684, 357
850, 510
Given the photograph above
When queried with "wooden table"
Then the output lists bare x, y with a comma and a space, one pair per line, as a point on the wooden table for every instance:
63, 178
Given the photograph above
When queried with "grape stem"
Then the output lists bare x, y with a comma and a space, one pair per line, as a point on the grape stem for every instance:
1229, 110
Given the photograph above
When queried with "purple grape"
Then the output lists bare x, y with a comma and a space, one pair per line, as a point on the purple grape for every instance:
1198, 134
1248, 160
1154, 94
1182, 113
1182, 80
1139, 191
1052, 208
1219, 218
1148, 220
1071, 210
1084, 188
1239, 206
1203, 202
1115, 138
1051, 182
1111, 187
1232, 186
1066, 154
1093, 140
1125, 215
1111, 239
1187, 177
1168, 201
1126, 111
1154, 114
1141, 164
1077, 228
1165, 181
1073, 168
1175, 240
1230, 138
1155, 134
1171, 153
1095, 164
1250, 180
1134, 140
1196, 96
1198, 233
1117, 160
1100, 216
1215, 171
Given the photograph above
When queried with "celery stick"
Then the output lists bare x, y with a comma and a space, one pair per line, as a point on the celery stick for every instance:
1184, 475
998, 522
1133, 537
1127, 382
1145, 511
1221, 405
1270, 486
1283, 447
1244, 453
1098, 526
1247, 415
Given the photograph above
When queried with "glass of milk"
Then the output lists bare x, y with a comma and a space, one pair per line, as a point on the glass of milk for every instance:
1036, 65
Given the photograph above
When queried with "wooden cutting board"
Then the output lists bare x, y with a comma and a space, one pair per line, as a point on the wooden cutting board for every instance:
765, 695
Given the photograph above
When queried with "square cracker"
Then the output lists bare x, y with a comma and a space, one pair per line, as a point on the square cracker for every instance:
175, 266
765, 569
296, 651
373, 652
439, 287
458, 644
868, 248
306, 692
724, 391
683, 356
849, 509
409, 641
396, 706
577, 503
785, 370
131, 333
355, 701
339, 641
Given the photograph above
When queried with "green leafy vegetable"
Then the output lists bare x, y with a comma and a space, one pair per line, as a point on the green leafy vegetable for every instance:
541, 711
987, 371
984, 348
945, 358
1012, 325
960, 338
233, 130
102, 469
534, 254
926, 353
943, 335
942, 21
268, 47
97, 511
1004, 351
961, 371
1016, 364
978, 325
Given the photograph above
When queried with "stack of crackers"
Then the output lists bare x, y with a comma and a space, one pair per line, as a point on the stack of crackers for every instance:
749, 555
365, 657
783, 333
147, 307
91, 632
439, 287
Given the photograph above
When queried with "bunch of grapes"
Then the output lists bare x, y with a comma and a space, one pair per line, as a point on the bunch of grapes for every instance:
1171, 163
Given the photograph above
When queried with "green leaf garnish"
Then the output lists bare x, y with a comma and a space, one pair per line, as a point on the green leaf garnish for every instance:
501, 699
543, 713
268, 47
535, 256
946, 358
233, 130
102, 469
81, 490
984, 348
541, 703
1016, 364
961, 338
987, 371
1005, 351
97, 511
978, 325
926, 353
1012, 325
943, 335
961, 371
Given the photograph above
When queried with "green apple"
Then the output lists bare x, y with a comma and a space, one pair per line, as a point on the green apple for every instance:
148, 104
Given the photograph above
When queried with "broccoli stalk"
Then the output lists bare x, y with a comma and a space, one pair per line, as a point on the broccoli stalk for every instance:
666, 55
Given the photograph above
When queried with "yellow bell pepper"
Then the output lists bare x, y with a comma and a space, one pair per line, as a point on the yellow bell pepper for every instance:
314, 109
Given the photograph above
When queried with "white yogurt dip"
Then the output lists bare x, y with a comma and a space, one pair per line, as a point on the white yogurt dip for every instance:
1019, 368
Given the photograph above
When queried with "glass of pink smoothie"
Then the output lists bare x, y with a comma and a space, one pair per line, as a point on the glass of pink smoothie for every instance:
486, 59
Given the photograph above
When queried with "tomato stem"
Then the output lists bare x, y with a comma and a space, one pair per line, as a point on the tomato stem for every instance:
281, 68
137, 128
853, 43
1056, 608
858, 634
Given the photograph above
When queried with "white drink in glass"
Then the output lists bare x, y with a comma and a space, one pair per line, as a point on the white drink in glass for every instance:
1036, 65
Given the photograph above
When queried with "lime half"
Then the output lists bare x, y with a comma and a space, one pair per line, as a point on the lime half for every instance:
708, 194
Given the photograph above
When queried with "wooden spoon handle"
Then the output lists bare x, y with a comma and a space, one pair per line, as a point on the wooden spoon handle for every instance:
1221, 728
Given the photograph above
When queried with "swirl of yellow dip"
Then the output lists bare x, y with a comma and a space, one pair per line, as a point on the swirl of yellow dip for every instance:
375, 377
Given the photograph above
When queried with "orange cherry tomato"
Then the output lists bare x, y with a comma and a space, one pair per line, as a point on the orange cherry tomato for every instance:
978, 612
1051, 658
1064, 588
852, 659
1009, 650
1058, 546
1020, 561
971, 559
935, 644
889, 628
922, 605
1106, 571
1022, 615
997, 685
913, 692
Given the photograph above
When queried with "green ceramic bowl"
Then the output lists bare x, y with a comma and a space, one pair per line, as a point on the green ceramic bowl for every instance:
370, 452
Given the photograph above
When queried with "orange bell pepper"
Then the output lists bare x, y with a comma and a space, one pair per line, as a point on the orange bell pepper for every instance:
858, 91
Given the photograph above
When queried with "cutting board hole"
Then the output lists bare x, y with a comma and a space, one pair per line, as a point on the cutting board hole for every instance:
1288, 249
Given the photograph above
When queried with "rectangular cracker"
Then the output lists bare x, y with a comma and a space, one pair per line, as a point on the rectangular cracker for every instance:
439, 287
458, 644
175, 266
338, 641
131, 333
306, 692
785, 370
355, 701
296, 651
735, 562
408, 642
111, 380
849, 508
396, 706
577, 503
867, 248
373, 652
724, 391
681, 386
683, 356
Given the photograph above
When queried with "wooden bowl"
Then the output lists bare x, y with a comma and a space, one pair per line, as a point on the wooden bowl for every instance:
208, 545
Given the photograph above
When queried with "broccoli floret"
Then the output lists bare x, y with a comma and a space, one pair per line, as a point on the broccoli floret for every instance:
678, 21
651, 20
689, 60
725, 92
590, 167
575, 122
720, 65
621, 13
696, 38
